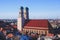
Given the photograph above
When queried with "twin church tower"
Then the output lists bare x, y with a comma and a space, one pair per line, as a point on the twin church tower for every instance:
22, 17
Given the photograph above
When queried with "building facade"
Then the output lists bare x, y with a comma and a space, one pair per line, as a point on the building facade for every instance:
40, 26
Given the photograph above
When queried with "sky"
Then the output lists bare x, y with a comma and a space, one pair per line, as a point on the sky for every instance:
38, 9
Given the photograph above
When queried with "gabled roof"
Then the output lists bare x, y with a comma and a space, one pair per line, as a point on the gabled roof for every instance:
37, 23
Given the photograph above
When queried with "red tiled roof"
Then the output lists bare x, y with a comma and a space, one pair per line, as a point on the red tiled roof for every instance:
14, 26
36, 28
51, 35
37, 23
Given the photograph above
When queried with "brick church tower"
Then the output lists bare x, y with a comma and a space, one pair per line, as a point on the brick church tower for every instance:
22, 17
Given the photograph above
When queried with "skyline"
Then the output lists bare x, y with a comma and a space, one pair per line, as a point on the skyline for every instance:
38, 9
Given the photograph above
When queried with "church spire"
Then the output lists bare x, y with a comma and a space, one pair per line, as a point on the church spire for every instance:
20, 20
21, 12
26, 13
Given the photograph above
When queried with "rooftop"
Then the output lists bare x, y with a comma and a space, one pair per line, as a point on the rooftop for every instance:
37, 23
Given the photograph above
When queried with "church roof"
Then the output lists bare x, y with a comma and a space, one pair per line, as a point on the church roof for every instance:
43, 23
